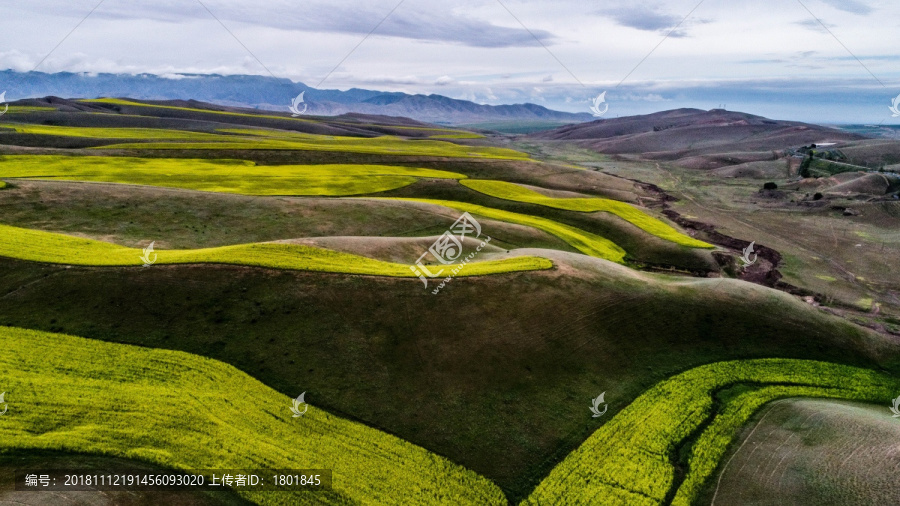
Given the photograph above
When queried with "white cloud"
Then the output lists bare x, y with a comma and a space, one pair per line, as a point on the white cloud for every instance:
470, 48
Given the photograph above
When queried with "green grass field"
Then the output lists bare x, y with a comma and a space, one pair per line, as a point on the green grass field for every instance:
187, 412
221, 175
586, 242
627, 461
638, 218
40, 246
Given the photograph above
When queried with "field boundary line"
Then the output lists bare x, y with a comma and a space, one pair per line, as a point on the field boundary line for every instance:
758, 423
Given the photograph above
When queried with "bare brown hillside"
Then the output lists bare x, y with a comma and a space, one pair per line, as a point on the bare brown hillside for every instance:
682, 133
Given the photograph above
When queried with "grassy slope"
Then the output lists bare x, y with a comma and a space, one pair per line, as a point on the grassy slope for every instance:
224, 175
24, 109
586, 242
671, 322
40, 246
819, 245
131, 103
213, 176
188, 412
236, 422
129, 215
244, 177
158, 134
639, 246
443, 132
627, 461
808, 452
384, 146
645, 222
259, 139
464, 360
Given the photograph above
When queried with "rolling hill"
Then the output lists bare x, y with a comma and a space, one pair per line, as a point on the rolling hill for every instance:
486, 383
681, 133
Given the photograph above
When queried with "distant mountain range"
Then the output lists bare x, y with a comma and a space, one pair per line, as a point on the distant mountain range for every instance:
269, 93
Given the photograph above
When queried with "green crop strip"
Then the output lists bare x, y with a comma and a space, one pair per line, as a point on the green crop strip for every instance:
262, 139
49, 247
117, 101
229, 176
385, 145
638, 218
461, 135
626, 461
184, 411
22, 109
585, 242
114, 133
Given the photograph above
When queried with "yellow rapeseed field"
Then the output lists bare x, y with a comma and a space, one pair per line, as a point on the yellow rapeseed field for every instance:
183, 411
586, 242
627, 460
49, 247
220, 175
629, 213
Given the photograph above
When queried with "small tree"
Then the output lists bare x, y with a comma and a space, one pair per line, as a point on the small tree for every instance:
804, 165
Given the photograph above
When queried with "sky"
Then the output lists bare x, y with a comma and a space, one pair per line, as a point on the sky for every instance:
827, 61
